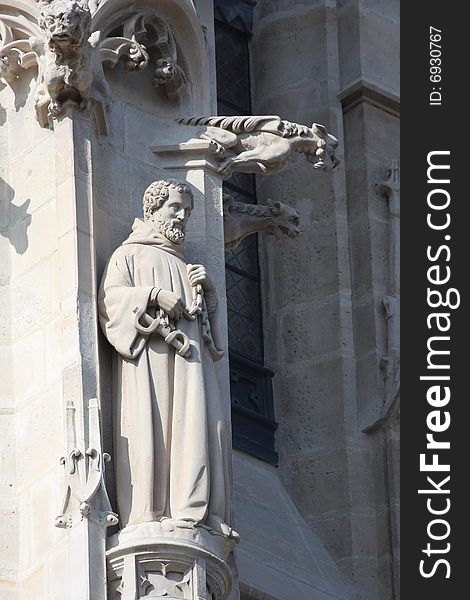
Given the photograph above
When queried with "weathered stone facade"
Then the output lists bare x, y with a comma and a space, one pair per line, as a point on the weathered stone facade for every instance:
338, 64
73, 169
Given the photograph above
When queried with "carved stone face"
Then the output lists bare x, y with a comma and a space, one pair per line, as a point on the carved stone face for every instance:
324, 156
171, 218
165, 70
66, 22
286, 219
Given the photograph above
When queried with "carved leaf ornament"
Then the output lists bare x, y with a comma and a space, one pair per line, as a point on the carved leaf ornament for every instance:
59, 38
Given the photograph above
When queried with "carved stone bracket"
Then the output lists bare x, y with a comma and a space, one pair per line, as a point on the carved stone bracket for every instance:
84, 472
193, 154
170, 563
60, 40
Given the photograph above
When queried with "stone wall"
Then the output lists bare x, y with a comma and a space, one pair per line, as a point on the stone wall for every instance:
68, 197
325, 327
34, 239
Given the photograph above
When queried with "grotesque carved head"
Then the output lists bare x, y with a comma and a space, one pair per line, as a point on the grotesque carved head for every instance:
284, 221
324, 156
65, 22
167, 207
164, 71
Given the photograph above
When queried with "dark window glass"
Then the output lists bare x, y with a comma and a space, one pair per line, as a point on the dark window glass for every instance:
233, 74
251, 388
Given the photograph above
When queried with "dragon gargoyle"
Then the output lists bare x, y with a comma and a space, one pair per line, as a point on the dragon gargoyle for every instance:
241, 220
264, 144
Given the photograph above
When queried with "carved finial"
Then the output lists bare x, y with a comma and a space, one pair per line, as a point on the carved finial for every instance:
85, 483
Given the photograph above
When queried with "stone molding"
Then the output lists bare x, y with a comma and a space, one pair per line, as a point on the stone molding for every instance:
365, 91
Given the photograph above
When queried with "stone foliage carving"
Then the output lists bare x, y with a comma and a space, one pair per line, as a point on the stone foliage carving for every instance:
84, 471
70, 54
16, 30
264, 144
241, 220
147, 40
169, 406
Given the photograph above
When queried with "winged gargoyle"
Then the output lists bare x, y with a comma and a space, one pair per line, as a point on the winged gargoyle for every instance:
264, 144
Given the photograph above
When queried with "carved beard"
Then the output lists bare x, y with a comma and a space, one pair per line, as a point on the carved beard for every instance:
173, 233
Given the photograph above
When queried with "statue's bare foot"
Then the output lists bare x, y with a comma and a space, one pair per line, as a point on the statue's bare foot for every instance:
221, 528
184, 523
172, 524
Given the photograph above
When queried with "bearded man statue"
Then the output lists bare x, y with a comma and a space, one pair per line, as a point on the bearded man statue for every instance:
172, 440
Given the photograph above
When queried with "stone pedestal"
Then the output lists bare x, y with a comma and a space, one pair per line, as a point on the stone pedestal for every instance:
162, 560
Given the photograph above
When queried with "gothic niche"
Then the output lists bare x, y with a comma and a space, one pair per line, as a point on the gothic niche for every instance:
144, 40
69, 53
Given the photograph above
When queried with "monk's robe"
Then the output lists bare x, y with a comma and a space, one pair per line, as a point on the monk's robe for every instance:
172, 443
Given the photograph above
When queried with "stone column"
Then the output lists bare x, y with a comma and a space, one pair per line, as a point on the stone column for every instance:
61, 153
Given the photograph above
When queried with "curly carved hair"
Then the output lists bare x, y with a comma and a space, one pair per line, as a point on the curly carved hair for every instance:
157, 193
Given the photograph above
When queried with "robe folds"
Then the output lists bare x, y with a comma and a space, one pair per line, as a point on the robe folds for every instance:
172, 443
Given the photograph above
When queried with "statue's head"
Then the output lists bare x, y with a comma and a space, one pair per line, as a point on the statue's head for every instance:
65, 22
167, 208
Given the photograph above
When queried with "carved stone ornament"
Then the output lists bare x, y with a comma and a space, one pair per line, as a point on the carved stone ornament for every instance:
263, 144
60, 39
241, 220
391, 302
390, 363
191, 568
84, 472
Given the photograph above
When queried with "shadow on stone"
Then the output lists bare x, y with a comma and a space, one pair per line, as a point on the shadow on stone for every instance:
22, 87
14, 220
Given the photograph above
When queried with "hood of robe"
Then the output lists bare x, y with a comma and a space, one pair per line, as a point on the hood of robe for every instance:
143, 233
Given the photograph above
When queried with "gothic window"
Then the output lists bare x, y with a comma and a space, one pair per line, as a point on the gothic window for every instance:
250, 381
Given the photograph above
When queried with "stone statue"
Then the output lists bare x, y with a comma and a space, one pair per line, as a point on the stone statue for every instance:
264, 144
172, 443
64, 55
241, 220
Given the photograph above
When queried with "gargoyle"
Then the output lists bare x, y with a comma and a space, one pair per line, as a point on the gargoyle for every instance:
67, 64
241, 220
264, 144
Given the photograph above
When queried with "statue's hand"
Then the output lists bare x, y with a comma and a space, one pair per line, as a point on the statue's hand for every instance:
197, 274
171, 303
